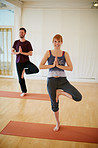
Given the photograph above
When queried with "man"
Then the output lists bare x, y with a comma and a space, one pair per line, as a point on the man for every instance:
23, 49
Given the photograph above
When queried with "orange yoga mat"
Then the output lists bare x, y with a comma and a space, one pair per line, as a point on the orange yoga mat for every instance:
33, 96
45, 131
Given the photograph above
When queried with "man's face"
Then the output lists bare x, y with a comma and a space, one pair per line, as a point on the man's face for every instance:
22, 33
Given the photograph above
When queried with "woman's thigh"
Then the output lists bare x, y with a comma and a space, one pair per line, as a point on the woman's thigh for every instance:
51, 87
70, 89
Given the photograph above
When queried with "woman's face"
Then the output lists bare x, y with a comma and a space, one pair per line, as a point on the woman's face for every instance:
57, 43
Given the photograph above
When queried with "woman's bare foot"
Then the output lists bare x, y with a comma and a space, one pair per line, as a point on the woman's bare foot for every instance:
23, 94
61, 92
57, 127
22, 76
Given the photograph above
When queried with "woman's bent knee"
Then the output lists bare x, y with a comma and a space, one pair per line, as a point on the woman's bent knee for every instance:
79, 98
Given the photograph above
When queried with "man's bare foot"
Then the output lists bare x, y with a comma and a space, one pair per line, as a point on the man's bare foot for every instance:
57, 127
22, 76
23, 94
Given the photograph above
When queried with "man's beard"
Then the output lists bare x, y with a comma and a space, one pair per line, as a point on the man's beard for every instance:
22, 36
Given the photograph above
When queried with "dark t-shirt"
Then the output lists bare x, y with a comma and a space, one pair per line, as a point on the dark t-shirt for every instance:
26, 47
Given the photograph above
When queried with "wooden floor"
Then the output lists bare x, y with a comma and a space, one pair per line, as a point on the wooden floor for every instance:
84, 113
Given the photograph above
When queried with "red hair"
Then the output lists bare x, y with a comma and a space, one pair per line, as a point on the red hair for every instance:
58, 37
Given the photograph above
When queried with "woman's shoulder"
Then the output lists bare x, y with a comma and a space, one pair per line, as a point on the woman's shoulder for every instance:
48, 51
66, 53
47, 54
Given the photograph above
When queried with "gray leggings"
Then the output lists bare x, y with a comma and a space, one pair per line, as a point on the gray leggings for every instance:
61, 83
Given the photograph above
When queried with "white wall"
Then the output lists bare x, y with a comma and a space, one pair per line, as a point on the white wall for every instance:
79, 29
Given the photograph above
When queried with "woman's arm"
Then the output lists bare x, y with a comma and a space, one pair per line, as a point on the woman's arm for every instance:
45, 58
69, 66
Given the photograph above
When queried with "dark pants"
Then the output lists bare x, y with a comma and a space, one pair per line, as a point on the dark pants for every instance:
61, 83
30, 69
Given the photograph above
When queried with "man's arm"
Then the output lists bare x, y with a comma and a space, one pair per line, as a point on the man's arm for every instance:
13, 51
25, 53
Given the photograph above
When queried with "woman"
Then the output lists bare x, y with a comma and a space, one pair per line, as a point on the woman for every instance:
57, 83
